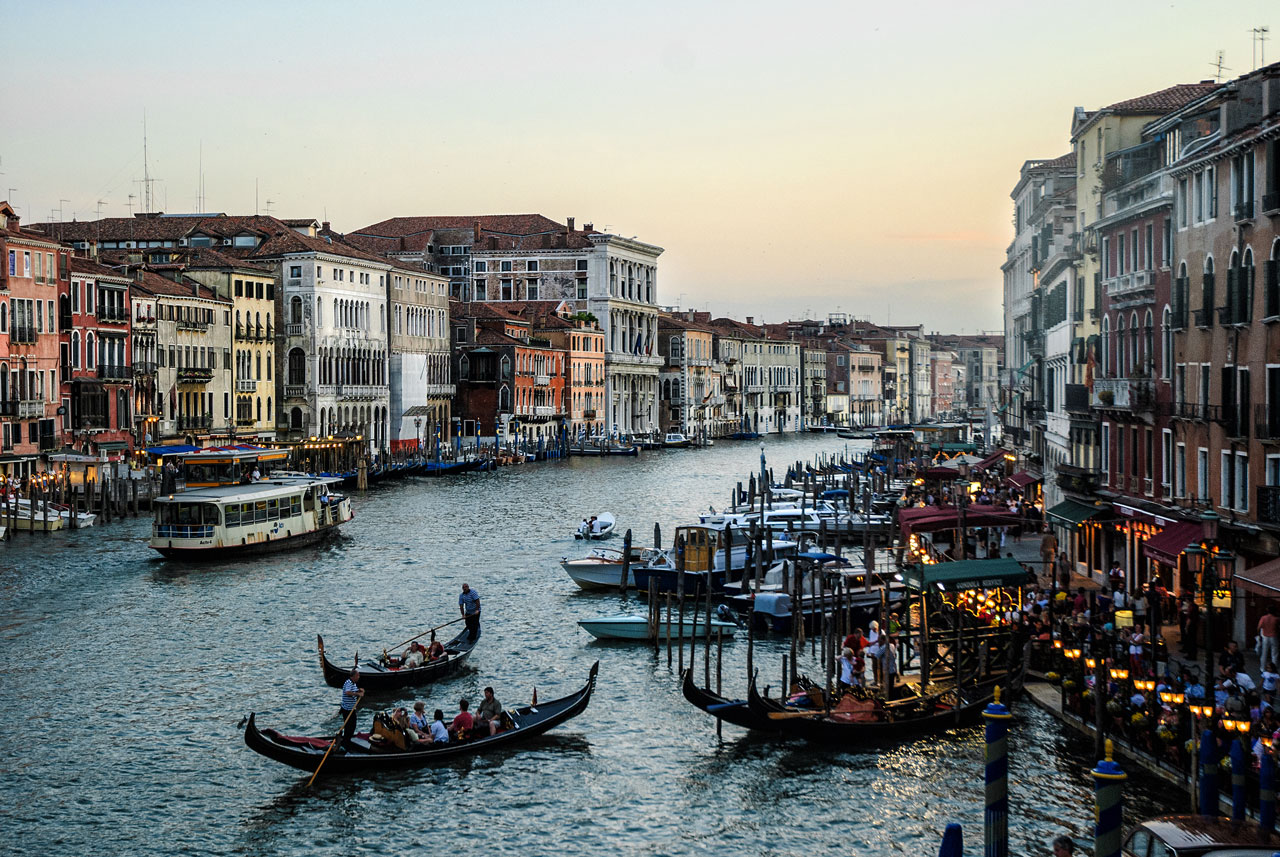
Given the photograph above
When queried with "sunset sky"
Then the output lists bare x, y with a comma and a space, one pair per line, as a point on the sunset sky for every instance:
793, 159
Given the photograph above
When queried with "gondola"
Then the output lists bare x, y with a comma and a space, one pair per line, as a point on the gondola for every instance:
733, 711
897, 719
306, 753
374, 677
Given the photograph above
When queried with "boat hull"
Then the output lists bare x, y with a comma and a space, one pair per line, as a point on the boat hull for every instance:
306, 754
375, 679
637, 628
172, 551
597, 575
735, 711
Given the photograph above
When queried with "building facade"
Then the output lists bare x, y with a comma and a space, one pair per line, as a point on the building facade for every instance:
421, 389
97, 361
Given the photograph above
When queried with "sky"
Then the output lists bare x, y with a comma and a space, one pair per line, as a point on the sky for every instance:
792, 159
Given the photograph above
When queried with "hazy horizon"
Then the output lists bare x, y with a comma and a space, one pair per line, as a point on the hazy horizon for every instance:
831, 159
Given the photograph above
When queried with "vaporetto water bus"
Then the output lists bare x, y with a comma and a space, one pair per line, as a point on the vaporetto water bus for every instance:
245, 519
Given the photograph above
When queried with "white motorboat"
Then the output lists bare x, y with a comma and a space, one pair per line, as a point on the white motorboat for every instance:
676, 440
603, 568
637, 628
58, 517
600, 528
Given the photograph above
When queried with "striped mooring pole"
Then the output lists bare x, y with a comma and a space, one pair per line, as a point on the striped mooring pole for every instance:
1108, 806
1267, 793
1208, 773
1238, 756
995, 820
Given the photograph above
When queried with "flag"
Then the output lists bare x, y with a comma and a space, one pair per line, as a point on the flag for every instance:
173, 400
1089, 365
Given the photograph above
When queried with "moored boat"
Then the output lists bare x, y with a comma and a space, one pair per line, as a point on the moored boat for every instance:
735, 711
244, 519
603, 568
368, 755
376, 676
637, 628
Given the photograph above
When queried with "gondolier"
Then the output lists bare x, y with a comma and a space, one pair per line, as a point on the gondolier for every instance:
352, 693
469, 607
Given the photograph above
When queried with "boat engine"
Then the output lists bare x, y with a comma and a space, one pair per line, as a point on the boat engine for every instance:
725, 613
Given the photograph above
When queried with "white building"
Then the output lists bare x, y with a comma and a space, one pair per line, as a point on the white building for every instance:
421, 391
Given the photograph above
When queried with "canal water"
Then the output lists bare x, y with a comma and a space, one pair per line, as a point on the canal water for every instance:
126, 678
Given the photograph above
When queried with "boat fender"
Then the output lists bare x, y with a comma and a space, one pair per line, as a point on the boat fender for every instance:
727, 614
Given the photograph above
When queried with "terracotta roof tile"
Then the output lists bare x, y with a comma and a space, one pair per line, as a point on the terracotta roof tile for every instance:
152, 283
1165, 100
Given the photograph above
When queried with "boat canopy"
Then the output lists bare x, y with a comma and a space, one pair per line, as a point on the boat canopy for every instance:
818, 556
967, 574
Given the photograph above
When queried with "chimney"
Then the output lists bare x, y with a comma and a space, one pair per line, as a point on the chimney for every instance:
324, 226
751, 319
688, 315
569, 220
587, 227
476, 231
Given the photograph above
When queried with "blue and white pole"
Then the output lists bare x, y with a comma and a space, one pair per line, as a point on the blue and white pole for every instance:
1238, 756
1108, 806
995, 819
1208, 773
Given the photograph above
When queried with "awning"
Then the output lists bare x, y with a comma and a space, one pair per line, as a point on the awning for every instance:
1261, 579
176, 449
930, 519
112, 445
1168, 544
1073, 513
967, 574
990, 460
1021, 479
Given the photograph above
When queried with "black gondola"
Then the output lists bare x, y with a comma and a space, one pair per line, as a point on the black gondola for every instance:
735, 711
306, 753
898, 719
375, 678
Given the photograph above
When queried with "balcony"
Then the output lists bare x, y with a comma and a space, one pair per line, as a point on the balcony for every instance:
1076, 399
293, 329
30, 408
295, 391
19, 334
1123, 394
115, 373
544, 411
195, 376
1133, 286
1266, 423
589, 414
246, 385
245, 421
1271, 203
542, 380
1203, 317
144, 367
112, 314
1243, 211
1197, 411
440, 390
195, 326
1269, 504
197, 423
142, 318
1078, 480
351, 391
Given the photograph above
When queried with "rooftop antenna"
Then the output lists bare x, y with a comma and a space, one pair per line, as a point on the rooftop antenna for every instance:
255, 197
1219, 66
146, 170
1259, 45
101, 203
200, 180
132, 197
60, 202
269, 204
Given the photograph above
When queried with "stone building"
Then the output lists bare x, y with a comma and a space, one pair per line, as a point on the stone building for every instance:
421, 389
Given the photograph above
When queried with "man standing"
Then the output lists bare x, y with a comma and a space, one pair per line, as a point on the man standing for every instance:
469, 607
352, 693
1267, 634
1048, 550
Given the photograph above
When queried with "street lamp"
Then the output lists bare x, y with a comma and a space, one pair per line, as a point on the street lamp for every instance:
1215, 566
417, 431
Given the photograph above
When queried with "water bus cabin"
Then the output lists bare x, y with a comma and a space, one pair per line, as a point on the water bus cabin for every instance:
209, 468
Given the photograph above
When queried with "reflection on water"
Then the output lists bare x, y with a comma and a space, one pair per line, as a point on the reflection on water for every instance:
128, 675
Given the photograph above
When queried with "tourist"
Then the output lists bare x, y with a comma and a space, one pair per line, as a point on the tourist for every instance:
462, 724
584, 528
1063, 847
1269, 679
469, 607
352, 693
489, 713
846, 664
418, 719
435, 650
1267, 636
889, 663
1136, 642
439, 732
873, 650
1231, 661
414, 657
1116, 576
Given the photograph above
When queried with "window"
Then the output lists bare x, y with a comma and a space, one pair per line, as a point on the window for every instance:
1242, 482
506, 266
582, 264
531, 265
1180, 471
1182, 203
1106, 453
481, 267
1202, 474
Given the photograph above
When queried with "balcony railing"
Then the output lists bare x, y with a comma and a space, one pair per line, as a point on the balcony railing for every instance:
1271, 203
1197, 411
1269, 504
197, 326
295, 391
1078, 479
589, 414
195, 376
1203, 317
29, 408
1123, 394
113, 314
293, 329
544, 411
22, 333
114, 373
1076, 399
246, 385
1244, 210
541, 380
245, 421
195, 423
352, 391
144, 367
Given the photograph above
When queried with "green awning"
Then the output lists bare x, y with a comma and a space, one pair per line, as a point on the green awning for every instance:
1002, 408
1026, 366
967, 574
958, 447
1073, 513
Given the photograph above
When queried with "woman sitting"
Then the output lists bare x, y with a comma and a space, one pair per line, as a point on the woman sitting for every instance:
435, 651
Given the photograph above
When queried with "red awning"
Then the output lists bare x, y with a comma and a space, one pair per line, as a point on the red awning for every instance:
1021, 479
1168, 544
948, 473
1261, 579
929, 519
991, 459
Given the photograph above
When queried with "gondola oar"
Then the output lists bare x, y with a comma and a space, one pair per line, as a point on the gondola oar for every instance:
333, 743
428, 631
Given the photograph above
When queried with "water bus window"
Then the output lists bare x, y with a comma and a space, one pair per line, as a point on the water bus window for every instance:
233, 515
273, 509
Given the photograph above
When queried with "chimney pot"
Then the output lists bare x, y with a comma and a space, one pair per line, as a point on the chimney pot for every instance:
751, 319
587, 227
324, 226
569, 221
476, 231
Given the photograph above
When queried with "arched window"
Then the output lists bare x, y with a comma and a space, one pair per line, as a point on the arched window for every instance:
1135, 358
1206, 293
1166, 343
89, 354
75, 349
295, 310
297, 373
1148, 345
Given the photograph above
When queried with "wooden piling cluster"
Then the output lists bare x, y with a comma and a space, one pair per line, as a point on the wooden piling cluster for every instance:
39, 507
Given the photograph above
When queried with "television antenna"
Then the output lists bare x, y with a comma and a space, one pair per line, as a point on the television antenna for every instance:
101, 203
1259, 45
132, 197
1219, 66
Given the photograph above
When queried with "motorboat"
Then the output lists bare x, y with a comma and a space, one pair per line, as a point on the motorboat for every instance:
45, 516
637, 628
600, 527
603, 568
676, 440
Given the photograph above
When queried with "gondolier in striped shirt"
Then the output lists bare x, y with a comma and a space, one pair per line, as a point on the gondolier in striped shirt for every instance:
352, 693
469, 607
